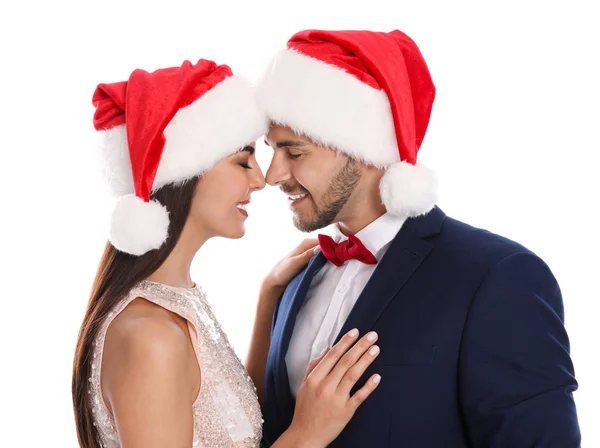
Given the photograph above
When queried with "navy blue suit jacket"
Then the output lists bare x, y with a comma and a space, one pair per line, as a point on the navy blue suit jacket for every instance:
474, 352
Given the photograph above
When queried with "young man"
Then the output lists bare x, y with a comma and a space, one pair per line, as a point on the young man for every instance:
473, 346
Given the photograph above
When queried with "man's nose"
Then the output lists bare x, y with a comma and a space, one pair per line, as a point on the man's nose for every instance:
278, 172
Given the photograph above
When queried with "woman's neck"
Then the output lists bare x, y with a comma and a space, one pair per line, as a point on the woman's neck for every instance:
175, 271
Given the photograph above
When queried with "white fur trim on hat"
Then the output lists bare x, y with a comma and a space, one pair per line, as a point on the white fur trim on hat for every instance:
408, 190
216, 125
330, 106
136, 226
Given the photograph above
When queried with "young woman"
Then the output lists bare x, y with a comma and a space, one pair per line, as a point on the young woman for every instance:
152, 366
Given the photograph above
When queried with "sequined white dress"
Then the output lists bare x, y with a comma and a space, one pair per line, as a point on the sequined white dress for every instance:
226, 412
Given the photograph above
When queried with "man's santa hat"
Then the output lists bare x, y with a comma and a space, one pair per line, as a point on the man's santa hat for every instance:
167, 127
367, 94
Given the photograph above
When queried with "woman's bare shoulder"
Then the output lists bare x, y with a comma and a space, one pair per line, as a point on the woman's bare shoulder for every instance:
144, 326
148, 346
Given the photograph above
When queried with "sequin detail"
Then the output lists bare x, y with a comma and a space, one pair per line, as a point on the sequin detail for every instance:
226, 412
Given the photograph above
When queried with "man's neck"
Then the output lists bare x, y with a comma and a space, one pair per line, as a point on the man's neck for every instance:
359, 221
365, 205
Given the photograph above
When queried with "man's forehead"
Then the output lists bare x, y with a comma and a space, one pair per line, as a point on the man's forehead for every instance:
286, 143
279, 136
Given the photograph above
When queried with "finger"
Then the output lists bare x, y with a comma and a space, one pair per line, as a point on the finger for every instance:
315, 362
308, 248
300, 261
350, 358
307, 255
308, 243
363, 393
356, 372
334, 355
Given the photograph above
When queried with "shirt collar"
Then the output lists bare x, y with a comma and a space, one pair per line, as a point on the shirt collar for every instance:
377, 234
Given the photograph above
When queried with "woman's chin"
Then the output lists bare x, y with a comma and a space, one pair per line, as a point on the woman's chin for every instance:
234, 233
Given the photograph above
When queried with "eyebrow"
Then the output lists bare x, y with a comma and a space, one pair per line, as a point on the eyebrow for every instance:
288, 144
248, 148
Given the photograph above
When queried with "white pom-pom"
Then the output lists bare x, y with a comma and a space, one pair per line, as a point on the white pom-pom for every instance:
408, 190
138, 227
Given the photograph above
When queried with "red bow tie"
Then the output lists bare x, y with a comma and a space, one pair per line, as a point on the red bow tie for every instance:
352, 249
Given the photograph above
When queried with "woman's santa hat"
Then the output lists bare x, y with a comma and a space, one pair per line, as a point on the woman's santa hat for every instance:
166, 127
367, 94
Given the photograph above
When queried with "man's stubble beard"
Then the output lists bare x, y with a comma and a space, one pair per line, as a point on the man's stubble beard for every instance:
335, 198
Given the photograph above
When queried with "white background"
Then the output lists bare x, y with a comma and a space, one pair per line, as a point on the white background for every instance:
513, 136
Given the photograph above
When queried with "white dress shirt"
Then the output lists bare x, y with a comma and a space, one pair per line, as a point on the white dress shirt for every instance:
332, 295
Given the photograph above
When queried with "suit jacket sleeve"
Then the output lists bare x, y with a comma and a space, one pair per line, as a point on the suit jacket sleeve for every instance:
516, 378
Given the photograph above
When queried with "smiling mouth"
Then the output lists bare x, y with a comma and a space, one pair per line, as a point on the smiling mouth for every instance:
243, 207
296, 197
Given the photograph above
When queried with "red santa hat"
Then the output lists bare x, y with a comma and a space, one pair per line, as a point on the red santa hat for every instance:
367, 94
166, 127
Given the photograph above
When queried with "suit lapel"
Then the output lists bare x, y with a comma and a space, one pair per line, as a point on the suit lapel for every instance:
291, 303
406, 252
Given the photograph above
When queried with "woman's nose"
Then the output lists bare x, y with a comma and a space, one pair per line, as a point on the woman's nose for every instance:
258, 180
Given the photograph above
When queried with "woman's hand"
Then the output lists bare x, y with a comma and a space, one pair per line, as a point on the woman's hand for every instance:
287, 268
324, 405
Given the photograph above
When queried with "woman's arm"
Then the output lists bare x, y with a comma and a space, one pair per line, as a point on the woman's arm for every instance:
150, 378
271, 290
261, 336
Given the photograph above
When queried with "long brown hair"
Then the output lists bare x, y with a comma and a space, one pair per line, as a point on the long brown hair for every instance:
117, 274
